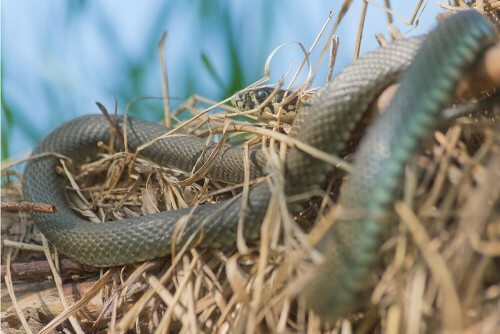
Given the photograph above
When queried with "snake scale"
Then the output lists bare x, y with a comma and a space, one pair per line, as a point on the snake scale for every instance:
326, 122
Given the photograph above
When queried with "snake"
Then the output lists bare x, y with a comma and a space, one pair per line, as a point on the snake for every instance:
428, 69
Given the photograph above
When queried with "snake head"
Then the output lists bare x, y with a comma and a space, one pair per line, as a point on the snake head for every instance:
254, 98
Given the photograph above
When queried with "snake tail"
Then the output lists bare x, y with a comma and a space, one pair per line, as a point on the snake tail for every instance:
351, 245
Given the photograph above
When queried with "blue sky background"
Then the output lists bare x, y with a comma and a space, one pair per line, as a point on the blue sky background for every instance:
59, 57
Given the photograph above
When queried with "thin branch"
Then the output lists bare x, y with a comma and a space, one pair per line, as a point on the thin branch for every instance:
29, 207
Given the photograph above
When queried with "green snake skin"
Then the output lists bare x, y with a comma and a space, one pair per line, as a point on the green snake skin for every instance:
326, 121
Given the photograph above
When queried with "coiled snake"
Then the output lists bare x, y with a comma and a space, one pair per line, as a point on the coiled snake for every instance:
325, 122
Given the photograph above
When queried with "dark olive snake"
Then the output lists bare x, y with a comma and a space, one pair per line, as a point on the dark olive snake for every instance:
326, 122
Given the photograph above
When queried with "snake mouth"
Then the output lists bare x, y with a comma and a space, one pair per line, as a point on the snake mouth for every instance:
243, 103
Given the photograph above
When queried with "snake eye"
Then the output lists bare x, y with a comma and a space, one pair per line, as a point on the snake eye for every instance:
261, 95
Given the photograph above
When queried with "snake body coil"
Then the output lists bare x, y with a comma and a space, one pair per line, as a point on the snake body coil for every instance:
326, 122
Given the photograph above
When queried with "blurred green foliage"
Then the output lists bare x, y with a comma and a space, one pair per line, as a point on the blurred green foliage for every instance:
223, 47
137, 69
6, 123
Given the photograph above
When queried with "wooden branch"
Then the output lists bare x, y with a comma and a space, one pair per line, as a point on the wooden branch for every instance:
29, 207
40, 269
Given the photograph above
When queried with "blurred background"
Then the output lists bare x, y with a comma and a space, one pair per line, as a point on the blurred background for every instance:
60, 57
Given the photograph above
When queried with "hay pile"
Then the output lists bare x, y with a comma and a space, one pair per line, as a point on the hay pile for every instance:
439, 265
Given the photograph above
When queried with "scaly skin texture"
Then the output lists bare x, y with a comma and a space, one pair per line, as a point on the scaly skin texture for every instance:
427, 86
326, 122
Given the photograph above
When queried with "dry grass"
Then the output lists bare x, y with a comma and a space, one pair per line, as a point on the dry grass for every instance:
439, 267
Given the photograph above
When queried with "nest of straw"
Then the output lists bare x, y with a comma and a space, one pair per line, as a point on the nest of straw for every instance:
439, 266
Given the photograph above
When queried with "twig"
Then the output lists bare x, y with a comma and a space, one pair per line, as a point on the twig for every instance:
41, 269
29, 207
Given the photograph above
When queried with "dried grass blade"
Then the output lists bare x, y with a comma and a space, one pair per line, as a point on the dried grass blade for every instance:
10, 290
452, 310
80, 304
59, 286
